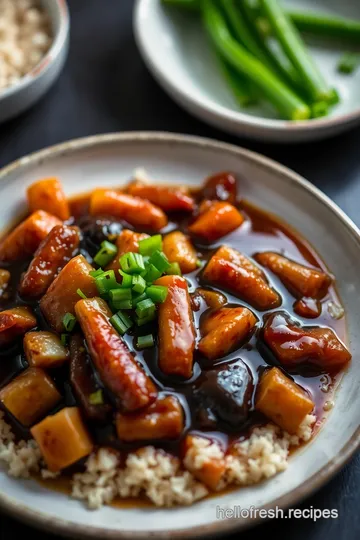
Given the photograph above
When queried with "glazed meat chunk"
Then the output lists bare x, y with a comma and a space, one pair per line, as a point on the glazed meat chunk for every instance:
217, 220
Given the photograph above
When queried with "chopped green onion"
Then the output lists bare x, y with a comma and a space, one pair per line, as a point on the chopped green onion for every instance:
96, 398
145, 308
121, 322
69, 322
124, 304
137, 298
140, 321
138, 284
160, 261
117, 296
64, 339
199, 263
152, 274
96, 273
132, 263
126, 282
144, 342
106, 253
174, 269
81, 294
348, 63
149, 245
106, 282
157, 293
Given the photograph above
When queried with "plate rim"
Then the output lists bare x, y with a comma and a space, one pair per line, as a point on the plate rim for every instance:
220, 114
68, 528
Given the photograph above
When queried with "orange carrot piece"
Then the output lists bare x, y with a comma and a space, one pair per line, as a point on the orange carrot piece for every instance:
62, 295
52, 255
224, 329
127, 241
63, 439
293, 344
230, 269
115, 364
219, 219
45, 350
176, 328
15, 322
299, 279
138, 212
24, 240
163, 419
178, 248
282, 400
168, 198
48, 194
212, 469
309, 308
30, 396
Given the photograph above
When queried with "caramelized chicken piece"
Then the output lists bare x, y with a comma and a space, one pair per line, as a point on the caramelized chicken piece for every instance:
51, 256
235, 272
224, 329
220, 187
30, 396
178, 248
63, 439
48, 195
62, 294
282, 400
213, 299
168, 198
24, 240
45, 350
15, 322
309, 308
83, 381
116, 366
293, 344
209, 469
219, 219
127, 241
5, 278
300, 280
138, 212
163, 419
176, 329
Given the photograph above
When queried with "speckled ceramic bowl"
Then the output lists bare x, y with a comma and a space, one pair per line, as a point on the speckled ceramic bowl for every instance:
16, 99
110, 160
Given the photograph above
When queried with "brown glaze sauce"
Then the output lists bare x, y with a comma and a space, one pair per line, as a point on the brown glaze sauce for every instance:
260, 232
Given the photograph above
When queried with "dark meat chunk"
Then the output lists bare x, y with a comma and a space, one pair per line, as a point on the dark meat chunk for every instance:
309, 308
96, 230
220, 186
293, 345
228, 391
83, 381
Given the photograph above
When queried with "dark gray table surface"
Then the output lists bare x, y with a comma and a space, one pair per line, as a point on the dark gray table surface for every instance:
106, 87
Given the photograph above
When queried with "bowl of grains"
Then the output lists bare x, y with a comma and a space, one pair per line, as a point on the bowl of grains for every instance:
34, 37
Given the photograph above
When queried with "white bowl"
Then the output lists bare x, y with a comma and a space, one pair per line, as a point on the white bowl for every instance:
16, 99
177, 53
109, 160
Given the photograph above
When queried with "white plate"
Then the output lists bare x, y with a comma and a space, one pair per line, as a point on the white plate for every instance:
176, 51
110, 160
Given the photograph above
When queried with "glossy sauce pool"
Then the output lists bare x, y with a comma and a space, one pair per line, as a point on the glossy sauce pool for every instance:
260, 232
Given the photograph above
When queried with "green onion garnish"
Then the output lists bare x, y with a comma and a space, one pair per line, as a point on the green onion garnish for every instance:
199, 263
160, 261
149, 245
96, 273
174, 269
145, 308
124, 304
140, 321
106, 253
151, 274
106, 282
64, 339
121, 322
126, 280
117, 296
96, 398
138, 284
132, 263
81, 294
144, 342
137, 298
157, 293
69, 322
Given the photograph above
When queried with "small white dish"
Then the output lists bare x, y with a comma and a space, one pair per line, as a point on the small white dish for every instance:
16, 99
110, 160
176, 51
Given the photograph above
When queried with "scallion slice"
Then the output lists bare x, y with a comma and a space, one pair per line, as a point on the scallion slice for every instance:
81, 294
157, 293
145, 308
151, 274
69, 322
149, 245
121, 322
145, 342
132, 263
126, 280
174, 269
96, 273
138, 284
160, 261
106, 253
106, 282
96, 398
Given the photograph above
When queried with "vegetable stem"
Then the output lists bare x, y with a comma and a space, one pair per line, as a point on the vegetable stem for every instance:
240, 87
326, 25
283, 98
